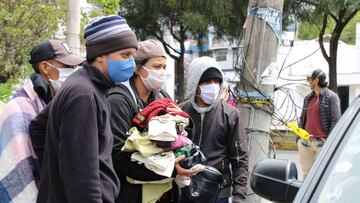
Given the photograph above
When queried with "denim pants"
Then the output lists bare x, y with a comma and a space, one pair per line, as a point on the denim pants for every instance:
222, 200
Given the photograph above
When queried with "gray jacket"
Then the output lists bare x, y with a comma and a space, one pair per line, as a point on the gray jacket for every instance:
330, 111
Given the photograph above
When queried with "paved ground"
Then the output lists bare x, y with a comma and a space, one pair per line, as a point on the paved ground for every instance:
291, 155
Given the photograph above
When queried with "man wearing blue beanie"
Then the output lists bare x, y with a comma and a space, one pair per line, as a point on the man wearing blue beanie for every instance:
77, 164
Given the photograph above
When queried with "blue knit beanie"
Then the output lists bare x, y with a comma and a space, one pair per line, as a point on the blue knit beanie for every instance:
108, 34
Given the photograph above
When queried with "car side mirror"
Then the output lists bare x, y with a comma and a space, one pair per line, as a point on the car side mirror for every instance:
275, 180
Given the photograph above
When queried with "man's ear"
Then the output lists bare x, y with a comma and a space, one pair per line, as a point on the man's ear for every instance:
316, 81
137, 69
43, 69
198, 90
100, 59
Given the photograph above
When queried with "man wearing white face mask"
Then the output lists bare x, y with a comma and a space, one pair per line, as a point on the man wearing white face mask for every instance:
125, 101
64, 72
20, 168
53, 60
219, 130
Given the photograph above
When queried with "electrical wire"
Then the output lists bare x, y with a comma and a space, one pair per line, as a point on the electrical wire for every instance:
289, 104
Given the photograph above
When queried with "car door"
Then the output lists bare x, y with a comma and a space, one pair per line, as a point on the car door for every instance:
335, 174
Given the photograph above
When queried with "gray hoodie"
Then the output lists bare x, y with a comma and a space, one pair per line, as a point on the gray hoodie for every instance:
196, 70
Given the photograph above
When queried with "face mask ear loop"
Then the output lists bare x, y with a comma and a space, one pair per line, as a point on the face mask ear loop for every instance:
49, 64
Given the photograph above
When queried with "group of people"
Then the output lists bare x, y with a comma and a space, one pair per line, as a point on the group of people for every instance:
62, 134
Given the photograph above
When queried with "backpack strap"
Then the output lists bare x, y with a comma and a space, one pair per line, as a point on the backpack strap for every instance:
164, 94
128, 86
128, 95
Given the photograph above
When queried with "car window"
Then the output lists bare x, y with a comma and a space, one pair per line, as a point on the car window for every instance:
341, 181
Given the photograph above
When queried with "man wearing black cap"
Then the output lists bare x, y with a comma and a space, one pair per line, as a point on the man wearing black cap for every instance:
77, 164
50, 60
320, 113
219, 130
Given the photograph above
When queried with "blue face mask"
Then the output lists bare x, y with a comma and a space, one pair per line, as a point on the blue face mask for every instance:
121, 70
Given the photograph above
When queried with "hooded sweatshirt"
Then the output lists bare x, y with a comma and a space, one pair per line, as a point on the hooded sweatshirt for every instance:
196, 70
220, 133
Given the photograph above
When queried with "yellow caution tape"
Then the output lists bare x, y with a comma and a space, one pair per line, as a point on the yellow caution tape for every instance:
299, 131
258, 102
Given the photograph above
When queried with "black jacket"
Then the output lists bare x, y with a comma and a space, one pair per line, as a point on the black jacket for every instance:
222, 138
123, 109
330, 111
77, 164
41, 87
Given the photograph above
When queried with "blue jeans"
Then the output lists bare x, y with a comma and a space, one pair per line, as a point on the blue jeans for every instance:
222, 200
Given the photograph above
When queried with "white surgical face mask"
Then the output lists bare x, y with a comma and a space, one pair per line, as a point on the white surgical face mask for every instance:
64, 73
155, 79
209, 92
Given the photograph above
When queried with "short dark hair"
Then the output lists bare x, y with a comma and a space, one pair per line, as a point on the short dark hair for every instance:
319, 74
90, 61
143, 62
211, 73
35, 66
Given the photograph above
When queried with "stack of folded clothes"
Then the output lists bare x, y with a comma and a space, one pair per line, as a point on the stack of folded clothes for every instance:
157, 133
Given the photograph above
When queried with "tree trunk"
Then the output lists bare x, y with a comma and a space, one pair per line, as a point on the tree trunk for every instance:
341, 22
180, 70
332, 63
334, 44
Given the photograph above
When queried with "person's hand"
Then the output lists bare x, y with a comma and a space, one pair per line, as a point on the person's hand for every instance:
185, 172
173, 108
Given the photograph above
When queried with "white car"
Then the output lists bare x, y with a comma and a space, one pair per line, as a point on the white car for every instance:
334, 176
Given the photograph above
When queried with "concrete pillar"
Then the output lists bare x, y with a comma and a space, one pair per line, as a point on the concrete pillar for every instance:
73, 26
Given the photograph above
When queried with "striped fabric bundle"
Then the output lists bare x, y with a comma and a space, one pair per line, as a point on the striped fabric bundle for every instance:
17, 181
108, 34
1, 106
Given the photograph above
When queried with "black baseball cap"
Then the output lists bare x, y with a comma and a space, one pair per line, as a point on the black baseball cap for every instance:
54, 49
211, 73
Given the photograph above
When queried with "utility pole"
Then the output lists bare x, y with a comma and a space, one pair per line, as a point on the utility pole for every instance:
262, 35
73, 26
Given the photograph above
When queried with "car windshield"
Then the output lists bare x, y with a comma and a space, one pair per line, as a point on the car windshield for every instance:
342, 183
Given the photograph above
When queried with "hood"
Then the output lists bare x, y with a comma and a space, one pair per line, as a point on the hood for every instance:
196, 69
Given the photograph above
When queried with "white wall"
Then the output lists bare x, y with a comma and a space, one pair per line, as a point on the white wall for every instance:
354, 91
357, 47
170, 76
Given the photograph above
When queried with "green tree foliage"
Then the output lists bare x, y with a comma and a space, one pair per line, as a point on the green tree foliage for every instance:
6, 90
349, 33
103, 7
329, 16
97, 8
183, 19
308, 31
23, 24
